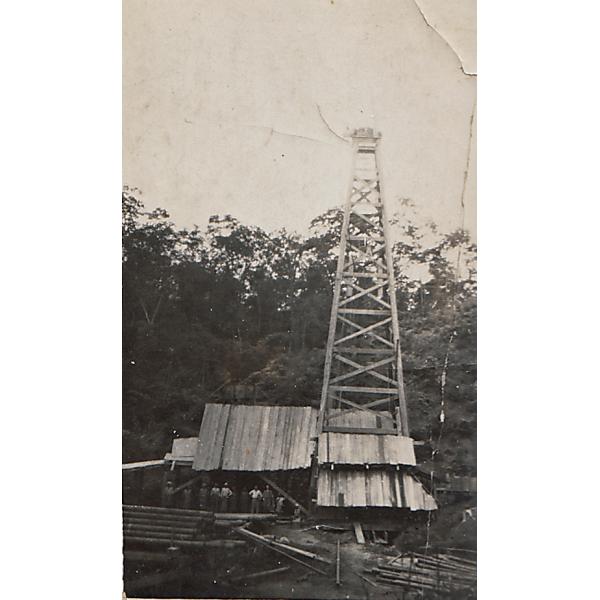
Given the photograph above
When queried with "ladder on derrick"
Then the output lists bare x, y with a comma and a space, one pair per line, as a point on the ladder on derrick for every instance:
363, 387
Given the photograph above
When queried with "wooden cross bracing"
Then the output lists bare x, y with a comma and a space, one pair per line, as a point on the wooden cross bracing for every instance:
363, 367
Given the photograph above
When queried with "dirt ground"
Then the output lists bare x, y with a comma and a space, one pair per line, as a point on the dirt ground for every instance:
210, 574
301, 583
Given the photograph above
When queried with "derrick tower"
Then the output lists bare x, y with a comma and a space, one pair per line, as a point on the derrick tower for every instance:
363, 388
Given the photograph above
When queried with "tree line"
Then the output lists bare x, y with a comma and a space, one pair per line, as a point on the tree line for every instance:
235, 307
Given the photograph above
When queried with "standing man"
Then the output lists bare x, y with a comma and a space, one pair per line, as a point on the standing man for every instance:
269, 500
187, 497
168, 495
297, 513
226, 494
279, 505
203, 496
255, 498
215, 497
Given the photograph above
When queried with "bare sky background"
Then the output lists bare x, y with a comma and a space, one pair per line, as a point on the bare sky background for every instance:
227, 105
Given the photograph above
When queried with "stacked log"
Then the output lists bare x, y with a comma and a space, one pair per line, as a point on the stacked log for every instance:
158, 526
441, 572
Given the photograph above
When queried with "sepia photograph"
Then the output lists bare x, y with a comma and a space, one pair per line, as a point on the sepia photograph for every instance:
299, 299
338, 339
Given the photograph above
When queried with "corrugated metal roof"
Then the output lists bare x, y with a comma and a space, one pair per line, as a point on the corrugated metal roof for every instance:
184, 449
365, 449
255, 438
372, 487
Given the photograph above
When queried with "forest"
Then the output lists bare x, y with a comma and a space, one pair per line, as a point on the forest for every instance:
235, 313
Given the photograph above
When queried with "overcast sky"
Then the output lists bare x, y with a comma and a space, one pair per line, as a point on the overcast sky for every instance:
222, 100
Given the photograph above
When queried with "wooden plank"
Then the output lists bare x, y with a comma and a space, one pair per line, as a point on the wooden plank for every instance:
259, 574
367, 237
358, 532
364, 311
359, 369
369, 333
362, 292
294, 435
304, 448
210, 444
357, 350
357, 407
369, 367
175, 512
223, 427
244, 517
364, 274
145, 464
371, 430
259, 539
263, 440
370, 295
283, 493
362, 330
301, 552
275, 456
343, 414
364, 409
231, 436
360, 389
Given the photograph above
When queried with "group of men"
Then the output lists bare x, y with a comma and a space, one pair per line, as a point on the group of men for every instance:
223, 499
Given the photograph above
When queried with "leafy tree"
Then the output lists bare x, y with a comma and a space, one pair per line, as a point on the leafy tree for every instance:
236, 306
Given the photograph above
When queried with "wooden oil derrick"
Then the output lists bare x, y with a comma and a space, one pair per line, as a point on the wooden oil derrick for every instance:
363, 388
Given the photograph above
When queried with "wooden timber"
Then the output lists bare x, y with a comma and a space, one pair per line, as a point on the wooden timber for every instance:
174, 514
259, 574
187, 543
259, 539
358, 532
284, 493
369, 430
145, 464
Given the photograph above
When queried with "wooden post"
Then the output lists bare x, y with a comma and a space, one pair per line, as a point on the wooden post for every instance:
284, 493
403, 429
314, 479
358, 532
336, 298
277, 571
